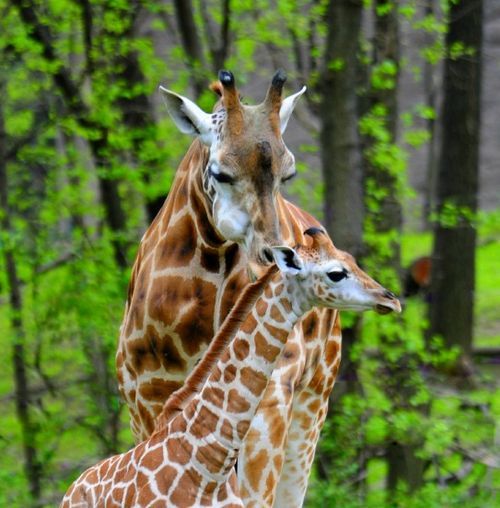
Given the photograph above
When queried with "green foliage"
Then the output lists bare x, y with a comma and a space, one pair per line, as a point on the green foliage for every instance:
454, 433
451, 215
73, 291
384, 75
401, 394
336, 65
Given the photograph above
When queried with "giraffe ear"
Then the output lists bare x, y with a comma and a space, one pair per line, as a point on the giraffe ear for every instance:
287, 259
188, 117
287, 107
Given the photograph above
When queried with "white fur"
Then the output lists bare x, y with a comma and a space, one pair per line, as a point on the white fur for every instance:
287, 107
231, 220
282, 254
188, 117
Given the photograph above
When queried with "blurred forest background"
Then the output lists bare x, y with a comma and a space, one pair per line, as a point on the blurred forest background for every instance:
397, 147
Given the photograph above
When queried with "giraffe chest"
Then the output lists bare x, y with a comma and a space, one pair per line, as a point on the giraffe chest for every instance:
174, 312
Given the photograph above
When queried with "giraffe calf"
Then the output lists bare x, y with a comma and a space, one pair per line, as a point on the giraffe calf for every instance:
189, 460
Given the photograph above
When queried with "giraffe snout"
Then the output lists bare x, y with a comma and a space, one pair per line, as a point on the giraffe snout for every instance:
389, 294
387, 302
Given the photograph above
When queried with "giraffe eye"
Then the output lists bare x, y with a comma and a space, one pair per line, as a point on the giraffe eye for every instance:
288, 177
222, 177
337, 276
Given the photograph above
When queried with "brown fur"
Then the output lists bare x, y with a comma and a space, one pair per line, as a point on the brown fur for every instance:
216, 87
179, 399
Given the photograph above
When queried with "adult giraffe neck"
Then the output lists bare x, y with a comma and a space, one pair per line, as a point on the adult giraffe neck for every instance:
198, 200
196, 379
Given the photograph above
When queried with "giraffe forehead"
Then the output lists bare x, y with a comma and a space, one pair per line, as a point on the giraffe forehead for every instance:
254, 137
310, 255
257, 159
258, 120
326, 255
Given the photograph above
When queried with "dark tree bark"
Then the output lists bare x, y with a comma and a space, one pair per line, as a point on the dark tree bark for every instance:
115, 215
32, 464
219, 54
191, 43
136, 108
218, 46
429, 73
386, 48
340, 142
389, 216
453, 258
403, 465
340, 154
105, 395
340, 145
138, 116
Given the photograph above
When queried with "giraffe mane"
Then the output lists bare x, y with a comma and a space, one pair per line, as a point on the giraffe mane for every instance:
181, 397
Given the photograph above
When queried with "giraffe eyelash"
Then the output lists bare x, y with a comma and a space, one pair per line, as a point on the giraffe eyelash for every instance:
289, 177
222, 177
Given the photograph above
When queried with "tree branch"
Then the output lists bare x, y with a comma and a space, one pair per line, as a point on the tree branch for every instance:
41, 34
21, 384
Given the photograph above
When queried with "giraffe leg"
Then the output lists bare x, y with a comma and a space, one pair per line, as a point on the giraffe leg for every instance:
261, 458
309, 411
299, 453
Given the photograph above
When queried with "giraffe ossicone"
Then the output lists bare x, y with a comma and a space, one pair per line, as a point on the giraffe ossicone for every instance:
189, 461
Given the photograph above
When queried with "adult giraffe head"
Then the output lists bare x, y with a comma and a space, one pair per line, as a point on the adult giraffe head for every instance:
248, 159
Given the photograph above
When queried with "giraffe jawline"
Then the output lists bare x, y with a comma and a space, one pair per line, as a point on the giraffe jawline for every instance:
382, 309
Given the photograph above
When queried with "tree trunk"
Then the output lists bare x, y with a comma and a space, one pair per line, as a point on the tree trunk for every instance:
138, 116
453, 259
403, 465
386, 47
218, 46
429, 73
340, 144
341, 156
105, 395
191, 43
32, 465
136, 109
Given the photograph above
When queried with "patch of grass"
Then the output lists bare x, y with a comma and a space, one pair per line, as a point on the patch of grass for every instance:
414, 245
487, 310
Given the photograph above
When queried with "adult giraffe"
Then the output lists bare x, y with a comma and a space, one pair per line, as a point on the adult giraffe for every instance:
225, 205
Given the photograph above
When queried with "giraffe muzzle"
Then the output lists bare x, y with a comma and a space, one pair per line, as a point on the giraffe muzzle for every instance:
387, 302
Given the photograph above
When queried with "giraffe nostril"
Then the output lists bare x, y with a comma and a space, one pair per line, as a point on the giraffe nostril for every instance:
389, 294
267, 254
